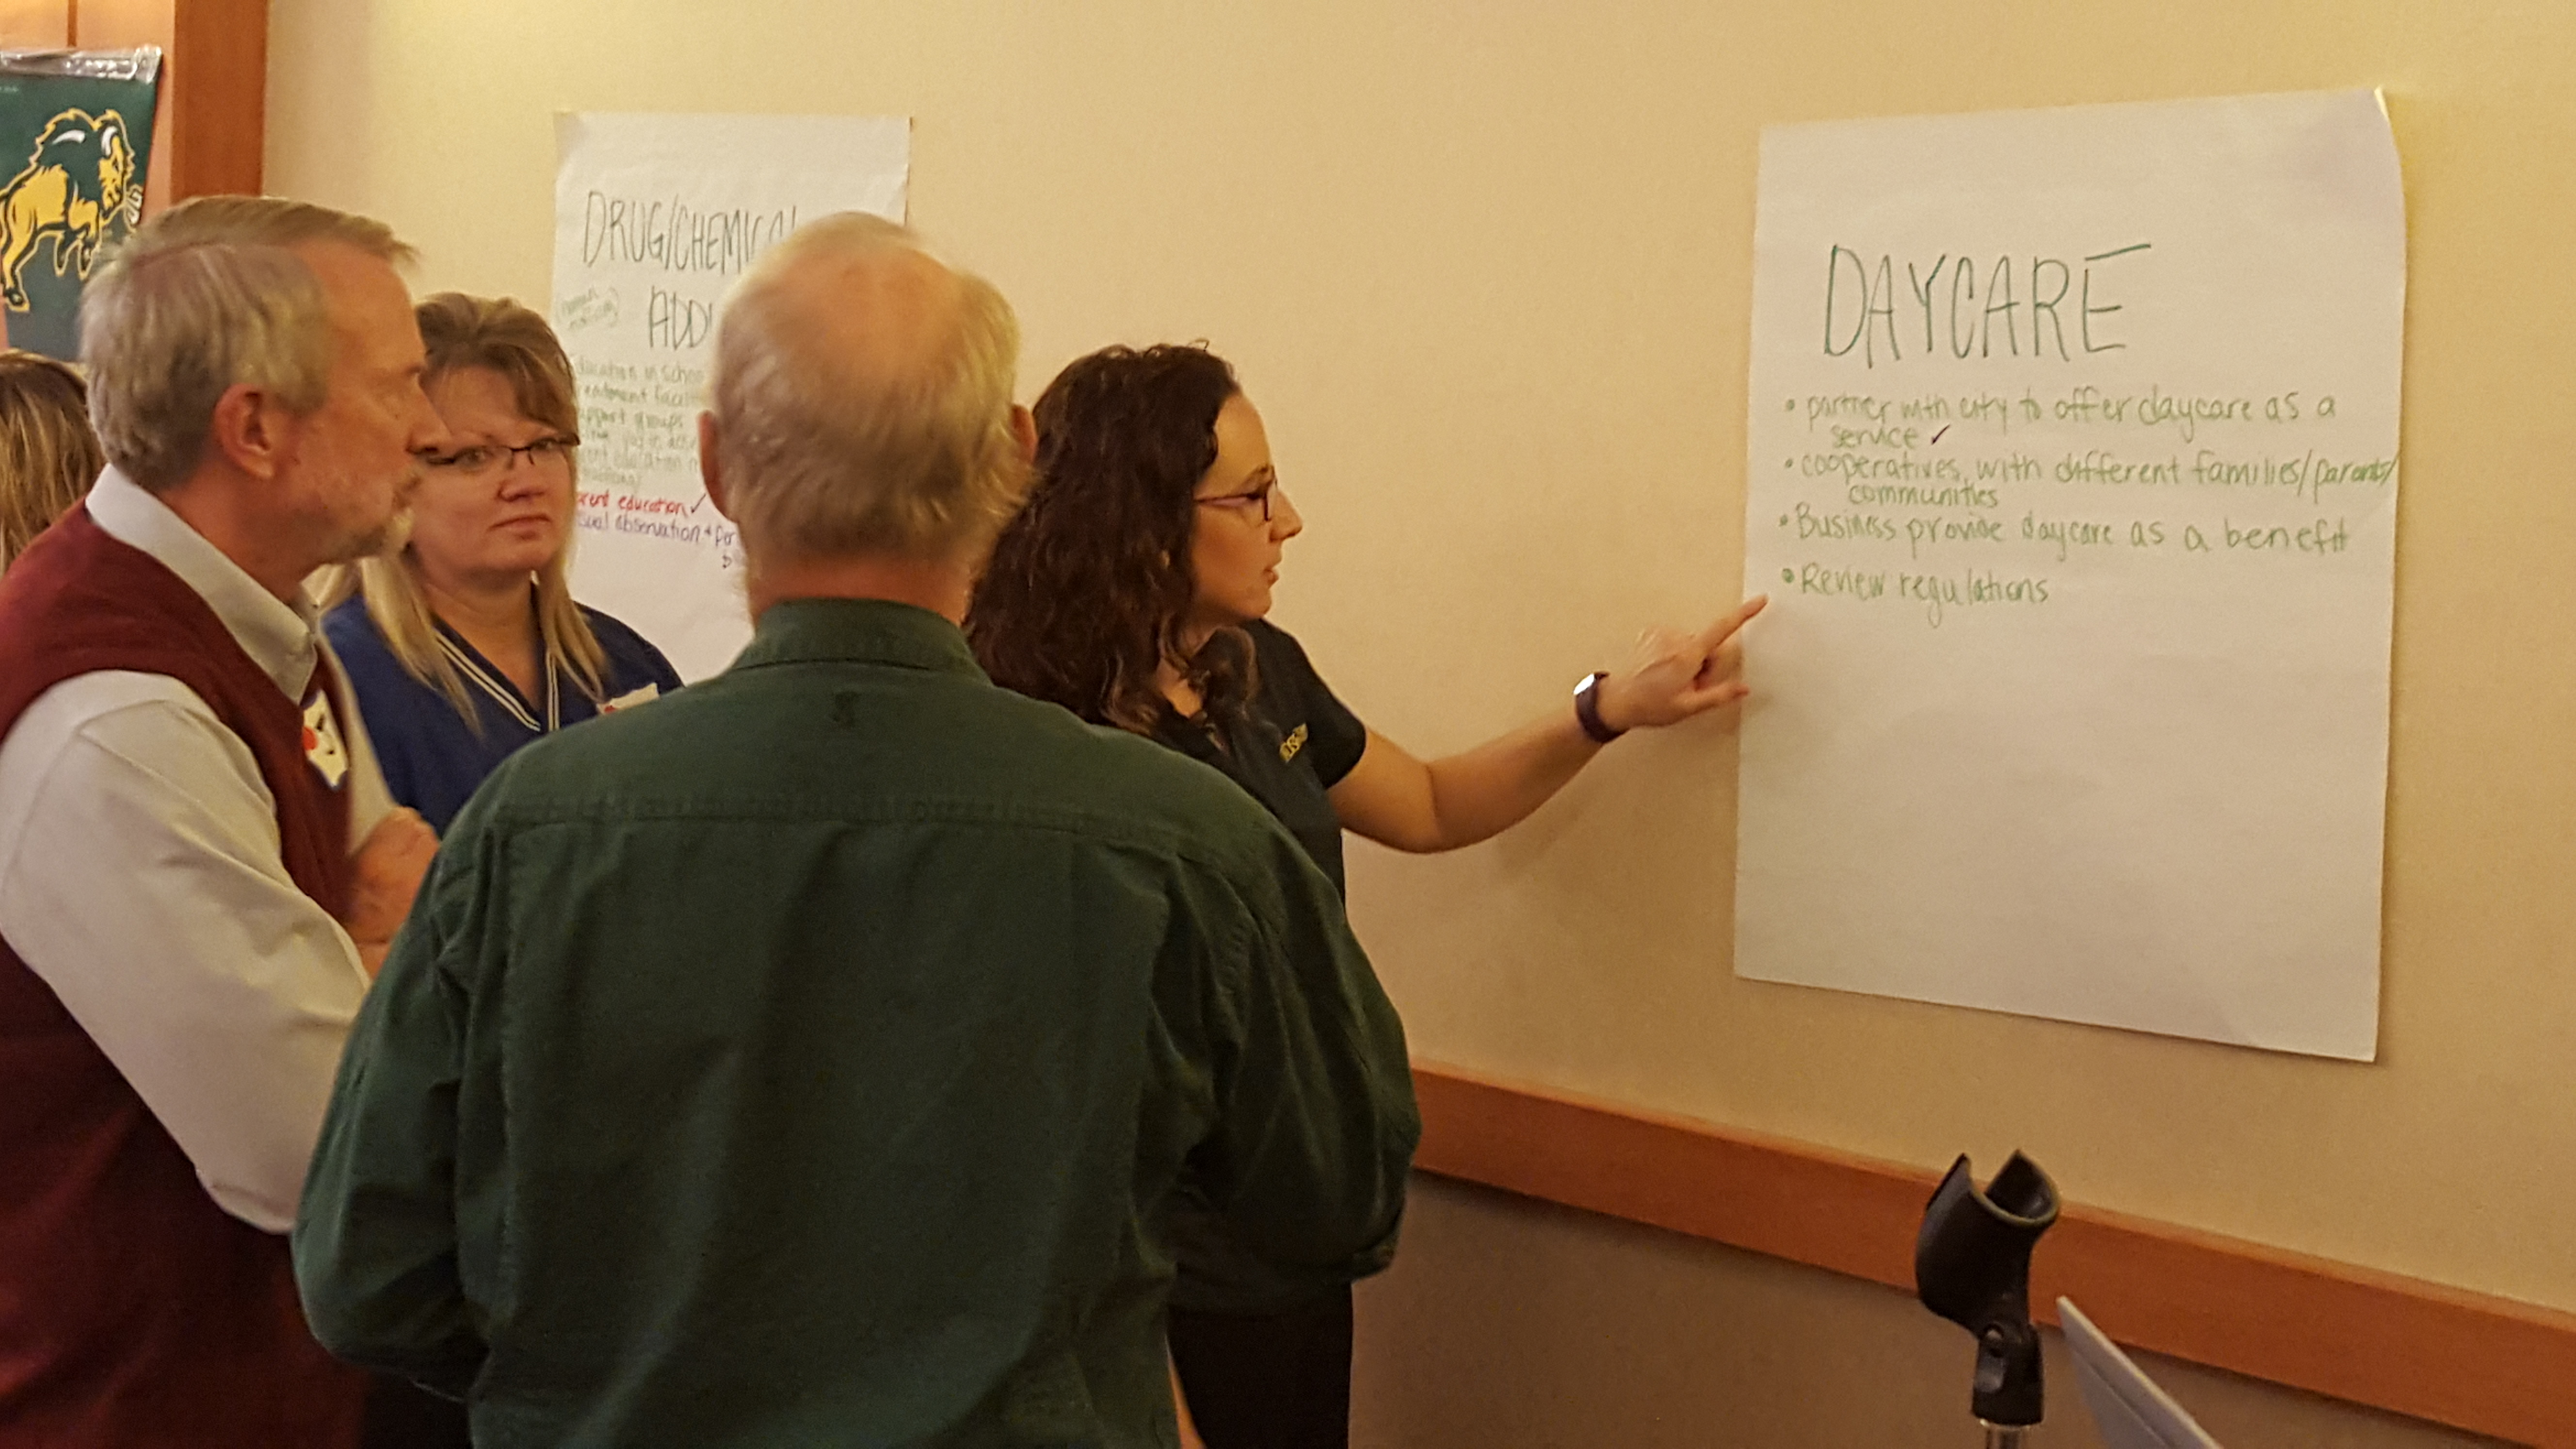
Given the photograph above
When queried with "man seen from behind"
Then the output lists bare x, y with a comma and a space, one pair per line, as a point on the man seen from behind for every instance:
811, 1057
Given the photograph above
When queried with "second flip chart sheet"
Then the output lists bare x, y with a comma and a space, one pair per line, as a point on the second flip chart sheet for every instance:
656, 217
2073, 479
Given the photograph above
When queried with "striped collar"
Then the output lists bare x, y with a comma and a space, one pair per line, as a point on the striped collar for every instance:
502, 692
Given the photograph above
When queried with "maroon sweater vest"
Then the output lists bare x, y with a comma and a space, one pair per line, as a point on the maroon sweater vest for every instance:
133, 1311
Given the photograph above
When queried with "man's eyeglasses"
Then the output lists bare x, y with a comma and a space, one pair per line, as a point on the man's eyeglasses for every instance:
487, 458
1246, 500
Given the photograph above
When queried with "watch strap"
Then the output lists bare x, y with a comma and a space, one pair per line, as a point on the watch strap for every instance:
1587, 708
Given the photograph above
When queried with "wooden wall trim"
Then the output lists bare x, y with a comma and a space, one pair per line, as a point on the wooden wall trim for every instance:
2473, 1361
35, 24
220, 121
212, 132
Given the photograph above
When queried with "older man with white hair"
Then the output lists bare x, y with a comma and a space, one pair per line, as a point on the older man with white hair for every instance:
198, 861
814, 1057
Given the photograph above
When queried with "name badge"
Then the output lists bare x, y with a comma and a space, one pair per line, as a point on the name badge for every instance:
322, 747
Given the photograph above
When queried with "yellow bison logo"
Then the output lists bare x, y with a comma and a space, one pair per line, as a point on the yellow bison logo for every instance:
79, 181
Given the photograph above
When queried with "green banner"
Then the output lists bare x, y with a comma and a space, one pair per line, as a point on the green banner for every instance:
76, 143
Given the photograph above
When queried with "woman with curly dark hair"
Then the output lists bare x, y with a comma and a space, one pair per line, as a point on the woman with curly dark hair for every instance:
1132, 590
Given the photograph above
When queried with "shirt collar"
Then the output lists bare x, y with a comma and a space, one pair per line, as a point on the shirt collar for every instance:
865, 631
278, 637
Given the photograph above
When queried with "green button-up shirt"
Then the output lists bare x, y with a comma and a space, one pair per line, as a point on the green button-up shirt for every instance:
819, 1056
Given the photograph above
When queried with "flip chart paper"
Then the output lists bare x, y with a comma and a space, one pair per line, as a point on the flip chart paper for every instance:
2073, 440
655, 216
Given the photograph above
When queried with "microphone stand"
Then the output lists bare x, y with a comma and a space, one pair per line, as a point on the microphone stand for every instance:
1972, 1267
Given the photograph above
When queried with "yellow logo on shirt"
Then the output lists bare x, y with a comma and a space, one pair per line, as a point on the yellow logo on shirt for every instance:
1289, 747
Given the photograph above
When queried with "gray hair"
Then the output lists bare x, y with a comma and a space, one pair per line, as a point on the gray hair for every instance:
826, 456
205, 297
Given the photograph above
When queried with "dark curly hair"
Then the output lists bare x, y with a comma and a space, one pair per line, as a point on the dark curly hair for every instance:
1090, 585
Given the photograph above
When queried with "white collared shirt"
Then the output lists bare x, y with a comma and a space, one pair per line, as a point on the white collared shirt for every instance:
142, 878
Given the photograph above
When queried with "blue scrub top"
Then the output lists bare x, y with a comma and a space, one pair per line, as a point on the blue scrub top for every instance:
432, 758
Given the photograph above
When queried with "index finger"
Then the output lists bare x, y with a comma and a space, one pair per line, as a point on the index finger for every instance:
1724, 629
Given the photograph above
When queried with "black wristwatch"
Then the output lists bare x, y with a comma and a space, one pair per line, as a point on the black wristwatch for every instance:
1587, 708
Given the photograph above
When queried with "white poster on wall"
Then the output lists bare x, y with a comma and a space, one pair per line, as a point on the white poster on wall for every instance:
2073, 441
655, 216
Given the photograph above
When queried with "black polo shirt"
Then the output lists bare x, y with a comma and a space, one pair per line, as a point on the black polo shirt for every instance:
1296, 742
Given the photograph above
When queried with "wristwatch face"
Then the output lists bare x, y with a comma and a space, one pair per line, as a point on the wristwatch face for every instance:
1587, 708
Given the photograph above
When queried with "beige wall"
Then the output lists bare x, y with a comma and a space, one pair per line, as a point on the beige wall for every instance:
1484, 267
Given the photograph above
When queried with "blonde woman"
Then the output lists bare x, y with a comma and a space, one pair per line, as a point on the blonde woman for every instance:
48, 455
464, 643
